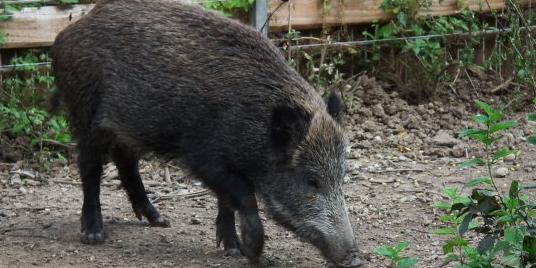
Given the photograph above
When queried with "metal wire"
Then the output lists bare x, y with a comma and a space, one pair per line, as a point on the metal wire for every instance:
432, 36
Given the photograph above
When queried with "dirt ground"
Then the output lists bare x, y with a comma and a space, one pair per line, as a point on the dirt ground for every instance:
402, 156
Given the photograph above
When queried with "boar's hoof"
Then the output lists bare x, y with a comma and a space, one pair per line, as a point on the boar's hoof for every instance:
92, 238
232, 252
252, 236
159, 222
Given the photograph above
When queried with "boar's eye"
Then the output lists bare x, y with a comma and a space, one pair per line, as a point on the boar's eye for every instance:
313, 183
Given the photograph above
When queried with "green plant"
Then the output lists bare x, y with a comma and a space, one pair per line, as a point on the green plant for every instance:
532, 118
393, 255
322, 74
227, 7
506, 222
22, 98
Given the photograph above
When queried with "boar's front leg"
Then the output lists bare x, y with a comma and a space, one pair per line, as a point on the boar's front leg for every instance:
239, 195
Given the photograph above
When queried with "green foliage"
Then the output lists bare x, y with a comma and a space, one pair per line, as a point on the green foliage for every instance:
430, 53
532, 118
393, 255
228, 7
323, 74
431, 47
505, 222
22, 98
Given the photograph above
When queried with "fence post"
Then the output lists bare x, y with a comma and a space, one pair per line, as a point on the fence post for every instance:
258, 15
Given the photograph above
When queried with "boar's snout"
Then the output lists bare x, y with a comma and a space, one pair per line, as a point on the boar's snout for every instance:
341, 248
349, 260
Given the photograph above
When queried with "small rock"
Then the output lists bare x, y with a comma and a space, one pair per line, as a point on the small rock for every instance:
15, 180
457, 151
22, 190
167, 263
370, 126
403, 158
443, 138
377, 140
501, 172
195, 221
510, 158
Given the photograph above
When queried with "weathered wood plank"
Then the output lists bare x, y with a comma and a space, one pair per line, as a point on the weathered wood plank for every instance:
37, 27
306, 14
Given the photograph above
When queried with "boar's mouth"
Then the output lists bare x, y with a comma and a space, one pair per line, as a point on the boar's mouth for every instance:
348, 259
352, 260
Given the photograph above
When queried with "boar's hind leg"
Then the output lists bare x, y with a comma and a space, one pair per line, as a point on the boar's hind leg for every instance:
241, 196
226, 230
90, 165
127, 165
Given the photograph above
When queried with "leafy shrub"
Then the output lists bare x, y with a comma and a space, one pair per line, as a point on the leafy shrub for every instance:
23, 97
393, 255
506, 221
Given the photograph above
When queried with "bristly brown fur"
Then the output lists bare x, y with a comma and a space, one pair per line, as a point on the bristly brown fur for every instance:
140, 75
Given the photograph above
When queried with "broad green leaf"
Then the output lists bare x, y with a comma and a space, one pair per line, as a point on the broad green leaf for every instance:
513, 235
532, 117
401, 246
442, 205
449, 245
462, 200
511, 260
477, 181
450, 192
480, 118
505, 219
471, 163
445, 231
451, 258
532, 140
406, 262
531, 213
385, 251
484, 107
475, 134
501, 153
502, 125
529, 246
514, 189
464, 226
486, 244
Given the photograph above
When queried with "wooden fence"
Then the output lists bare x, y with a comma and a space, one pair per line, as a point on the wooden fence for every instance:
37, 27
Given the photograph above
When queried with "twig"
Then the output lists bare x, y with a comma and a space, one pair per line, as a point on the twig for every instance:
398, 170
24, 173
382, 181
471, 81
79, 183
173, 166
7, 230
34, 208
167, 176
187, 195
502, 86
69, 146
419, 191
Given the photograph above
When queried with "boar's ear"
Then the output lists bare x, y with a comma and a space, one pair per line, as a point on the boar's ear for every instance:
335, 106
288, 126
